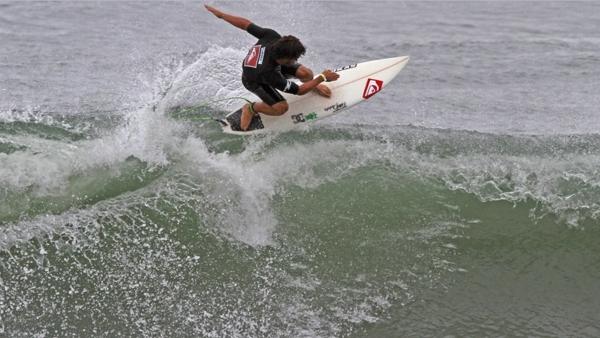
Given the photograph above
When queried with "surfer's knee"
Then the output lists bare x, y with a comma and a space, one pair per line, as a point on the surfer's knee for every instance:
304, 74
281, 107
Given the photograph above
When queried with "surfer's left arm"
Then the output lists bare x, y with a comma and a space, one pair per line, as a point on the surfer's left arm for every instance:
278, 81
305, 74
239, 22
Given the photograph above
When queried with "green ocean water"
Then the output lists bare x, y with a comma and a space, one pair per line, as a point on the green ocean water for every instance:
461, 201
326, 232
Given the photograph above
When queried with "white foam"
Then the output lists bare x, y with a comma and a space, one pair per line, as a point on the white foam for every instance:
215, 75
151, 136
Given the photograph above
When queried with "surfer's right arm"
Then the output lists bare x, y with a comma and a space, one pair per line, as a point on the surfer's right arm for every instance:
243, 23
237, 21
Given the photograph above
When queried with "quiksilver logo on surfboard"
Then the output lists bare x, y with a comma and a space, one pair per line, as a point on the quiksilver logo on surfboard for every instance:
372, 87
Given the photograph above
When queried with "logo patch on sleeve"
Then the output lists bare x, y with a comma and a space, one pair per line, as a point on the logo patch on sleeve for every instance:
288, 86
372, 87
251, 59
262, 55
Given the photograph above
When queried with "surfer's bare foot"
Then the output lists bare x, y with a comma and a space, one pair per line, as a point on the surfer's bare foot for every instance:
323, 90
246, 117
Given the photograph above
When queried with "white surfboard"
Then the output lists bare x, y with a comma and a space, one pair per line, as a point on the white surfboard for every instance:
357, 83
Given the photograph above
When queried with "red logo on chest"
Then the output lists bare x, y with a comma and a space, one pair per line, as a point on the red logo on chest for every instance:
252, 57
372, 87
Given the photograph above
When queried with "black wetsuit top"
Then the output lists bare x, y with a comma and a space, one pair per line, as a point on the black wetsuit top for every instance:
259, 66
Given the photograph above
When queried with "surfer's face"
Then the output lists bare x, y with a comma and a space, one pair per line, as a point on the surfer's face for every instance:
286, 61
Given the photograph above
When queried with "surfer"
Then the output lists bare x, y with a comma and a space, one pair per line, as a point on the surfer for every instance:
269, 65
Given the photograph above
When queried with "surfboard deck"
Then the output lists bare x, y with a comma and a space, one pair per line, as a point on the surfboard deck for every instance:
357, 82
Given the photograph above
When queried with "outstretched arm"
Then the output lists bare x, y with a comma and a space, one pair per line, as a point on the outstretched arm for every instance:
237, 21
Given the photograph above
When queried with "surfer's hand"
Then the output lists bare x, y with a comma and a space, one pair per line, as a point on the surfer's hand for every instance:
215, 11
323, 90
330, 76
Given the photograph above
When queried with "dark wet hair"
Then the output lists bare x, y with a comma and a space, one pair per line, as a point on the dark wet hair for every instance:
288, 47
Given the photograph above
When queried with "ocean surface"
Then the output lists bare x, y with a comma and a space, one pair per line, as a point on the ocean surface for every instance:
461, 201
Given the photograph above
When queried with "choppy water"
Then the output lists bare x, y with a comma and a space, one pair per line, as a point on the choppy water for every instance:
461, 201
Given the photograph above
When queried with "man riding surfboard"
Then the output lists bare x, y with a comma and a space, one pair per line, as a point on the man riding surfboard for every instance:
269, 65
